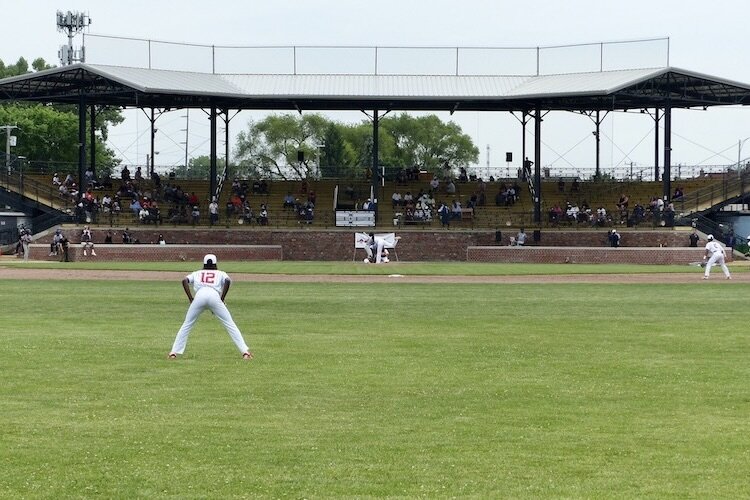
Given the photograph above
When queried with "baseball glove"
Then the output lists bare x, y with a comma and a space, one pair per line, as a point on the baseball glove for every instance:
703, 264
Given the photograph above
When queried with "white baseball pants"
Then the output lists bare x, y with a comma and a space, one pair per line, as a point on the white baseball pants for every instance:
717, 259
208, 298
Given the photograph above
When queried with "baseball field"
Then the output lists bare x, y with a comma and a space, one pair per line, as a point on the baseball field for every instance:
447, 380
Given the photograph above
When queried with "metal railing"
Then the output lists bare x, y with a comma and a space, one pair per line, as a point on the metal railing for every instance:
723, 191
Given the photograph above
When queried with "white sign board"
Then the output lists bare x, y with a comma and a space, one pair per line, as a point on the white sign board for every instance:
355, 218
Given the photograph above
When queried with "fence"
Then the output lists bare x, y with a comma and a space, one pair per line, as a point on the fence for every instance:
377, 60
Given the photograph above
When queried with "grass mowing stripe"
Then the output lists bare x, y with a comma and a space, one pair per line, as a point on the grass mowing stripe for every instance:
376, 390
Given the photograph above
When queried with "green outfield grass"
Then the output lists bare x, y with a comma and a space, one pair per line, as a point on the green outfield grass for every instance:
358, 268
372, 390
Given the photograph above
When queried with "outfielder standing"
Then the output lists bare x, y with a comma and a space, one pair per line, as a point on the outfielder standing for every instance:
715, 254
211, 287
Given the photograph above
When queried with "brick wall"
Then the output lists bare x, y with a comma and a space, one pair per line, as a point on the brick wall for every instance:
162, 253
583, 255
338, 244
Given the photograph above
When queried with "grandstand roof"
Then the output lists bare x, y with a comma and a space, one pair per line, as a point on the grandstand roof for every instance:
603, 90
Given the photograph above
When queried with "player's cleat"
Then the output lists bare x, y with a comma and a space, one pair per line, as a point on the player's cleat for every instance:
705, 277
172, 355
85, 253
247, 356
729, 277
51, 254
93, 253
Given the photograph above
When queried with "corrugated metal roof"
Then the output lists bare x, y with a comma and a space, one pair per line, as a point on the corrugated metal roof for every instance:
157, 87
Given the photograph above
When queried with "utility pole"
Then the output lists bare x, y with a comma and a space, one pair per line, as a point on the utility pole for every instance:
7, 129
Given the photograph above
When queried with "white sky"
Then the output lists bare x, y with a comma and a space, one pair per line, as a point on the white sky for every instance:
705, 37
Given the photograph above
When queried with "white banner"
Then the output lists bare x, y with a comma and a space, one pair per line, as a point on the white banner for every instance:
360, 239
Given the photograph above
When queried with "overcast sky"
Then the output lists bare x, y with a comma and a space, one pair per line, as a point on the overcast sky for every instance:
706, 37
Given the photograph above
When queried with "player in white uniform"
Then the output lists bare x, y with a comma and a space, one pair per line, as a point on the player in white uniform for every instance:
87, 242
211, 287
375, 247
716, 255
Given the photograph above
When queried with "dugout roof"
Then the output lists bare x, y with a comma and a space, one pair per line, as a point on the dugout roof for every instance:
603, 90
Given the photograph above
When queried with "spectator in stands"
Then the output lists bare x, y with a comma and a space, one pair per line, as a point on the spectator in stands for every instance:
213, 212
639, 214
622, 203
555, 214
263, 216
678, 194
195, 215
396, 199
88, 178
156, 179
229, 210
450, 187
192, 199
125, 174
135, 206
462, 176
601, 216
116, 207
501, 198
69, 180
289, 200
561, 185
574, 187
312, 197
138, 174
126, 236
368, 205
106, 204
56, 180
456, 209
521, 237
434, 183
63, 190
445, 215
572, 212
108, 238
408, 198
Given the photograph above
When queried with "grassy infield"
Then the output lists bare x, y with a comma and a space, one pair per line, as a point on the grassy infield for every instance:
404, 390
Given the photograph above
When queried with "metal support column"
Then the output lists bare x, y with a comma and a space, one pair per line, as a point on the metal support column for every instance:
523, 140
92, 141
667, 152
375, 156
81, 140
150, 168
212, 171
598, 122
537, 165
656, 144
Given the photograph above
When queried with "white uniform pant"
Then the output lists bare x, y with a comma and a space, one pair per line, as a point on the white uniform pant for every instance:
718, 259
208, 298
377, 247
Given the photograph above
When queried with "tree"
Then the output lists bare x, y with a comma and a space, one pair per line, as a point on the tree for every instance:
269, 148
428, 143
198, 168
48, 134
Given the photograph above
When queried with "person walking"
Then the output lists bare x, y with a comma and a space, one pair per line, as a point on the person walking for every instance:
211, 287
715, 254
25, 243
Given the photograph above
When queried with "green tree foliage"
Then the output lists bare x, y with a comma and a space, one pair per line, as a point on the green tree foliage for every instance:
268, 148
48, 134
198, 168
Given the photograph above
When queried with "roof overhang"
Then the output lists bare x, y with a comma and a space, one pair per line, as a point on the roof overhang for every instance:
145, 88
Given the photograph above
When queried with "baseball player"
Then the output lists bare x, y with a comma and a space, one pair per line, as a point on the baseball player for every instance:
211, 287
87, 242
715, 254
375, 247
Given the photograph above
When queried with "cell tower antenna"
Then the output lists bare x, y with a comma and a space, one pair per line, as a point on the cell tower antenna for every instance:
72, 23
